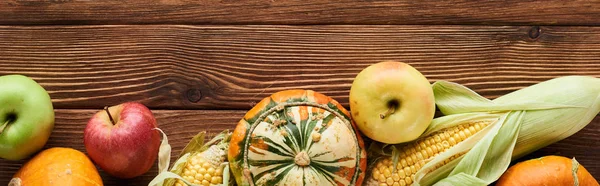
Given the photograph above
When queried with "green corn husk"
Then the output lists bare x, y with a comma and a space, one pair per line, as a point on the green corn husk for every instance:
521, 122
218, 150
531, 118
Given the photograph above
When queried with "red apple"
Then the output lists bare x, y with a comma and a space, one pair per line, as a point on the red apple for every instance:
122, 139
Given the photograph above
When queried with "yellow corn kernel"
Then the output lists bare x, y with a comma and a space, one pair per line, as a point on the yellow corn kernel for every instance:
408, 180
389, 181
387, 172
395, 177
206, 165
219, 171
216, 180
199, 177
402, 183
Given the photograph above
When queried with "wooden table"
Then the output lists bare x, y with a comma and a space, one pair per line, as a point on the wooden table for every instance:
200, 65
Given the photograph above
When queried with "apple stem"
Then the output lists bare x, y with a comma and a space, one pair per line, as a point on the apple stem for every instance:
109, 116
3, 126
391, 110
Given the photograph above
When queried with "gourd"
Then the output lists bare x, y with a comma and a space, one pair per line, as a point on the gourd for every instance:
297, 137
58, 166
547, 170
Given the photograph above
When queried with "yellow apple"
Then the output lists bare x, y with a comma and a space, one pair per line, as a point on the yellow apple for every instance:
391, 102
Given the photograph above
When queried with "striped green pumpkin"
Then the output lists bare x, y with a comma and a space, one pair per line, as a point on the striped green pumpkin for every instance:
297, 137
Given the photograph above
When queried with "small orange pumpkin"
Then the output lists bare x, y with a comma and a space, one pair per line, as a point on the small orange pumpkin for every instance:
58, 166
297, 137
547, 170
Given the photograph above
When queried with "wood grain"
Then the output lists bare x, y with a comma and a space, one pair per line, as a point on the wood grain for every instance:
511, 12
182, 125
233, 67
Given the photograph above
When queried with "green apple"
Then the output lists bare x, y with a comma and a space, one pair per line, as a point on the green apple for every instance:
391, 102
26, 117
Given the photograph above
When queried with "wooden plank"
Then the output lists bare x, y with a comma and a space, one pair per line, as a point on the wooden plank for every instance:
181, 125
511, 12
233, 67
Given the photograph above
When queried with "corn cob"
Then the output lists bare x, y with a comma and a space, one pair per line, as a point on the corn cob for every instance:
477, 139
415, 155
205, 168
199, 163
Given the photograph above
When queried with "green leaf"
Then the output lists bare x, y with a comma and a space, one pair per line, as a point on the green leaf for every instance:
544, 127
220, 138
490, 157
195, 144
461, 179
570, 90
453, 98
501, 149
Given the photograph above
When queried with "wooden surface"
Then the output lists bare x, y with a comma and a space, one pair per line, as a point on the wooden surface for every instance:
510, 12
200, 65
231, 67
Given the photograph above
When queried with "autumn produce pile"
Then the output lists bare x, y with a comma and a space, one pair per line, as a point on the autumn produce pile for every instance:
301, 137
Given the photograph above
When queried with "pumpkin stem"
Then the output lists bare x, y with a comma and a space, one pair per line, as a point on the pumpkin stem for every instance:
109, 116
15, 182
391, 109
302, 159
574, 169
3, 126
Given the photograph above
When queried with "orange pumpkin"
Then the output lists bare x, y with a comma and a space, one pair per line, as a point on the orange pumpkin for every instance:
58, 166
547, 170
